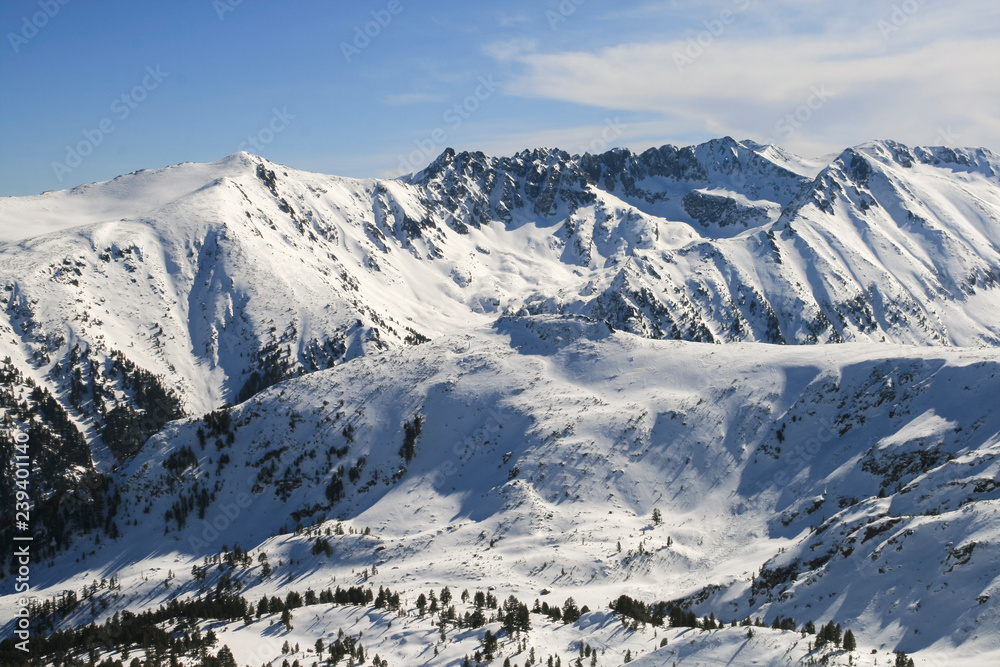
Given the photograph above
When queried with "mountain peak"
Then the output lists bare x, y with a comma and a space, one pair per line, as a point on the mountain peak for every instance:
505, 355
242, 158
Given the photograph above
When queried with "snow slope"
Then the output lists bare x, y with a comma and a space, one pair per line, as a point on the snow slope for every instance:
546, 442
205, 270
497, 365
227, 277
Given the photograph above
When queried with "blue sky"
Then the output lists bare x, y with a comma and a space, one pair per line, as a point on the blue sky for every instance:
95, 89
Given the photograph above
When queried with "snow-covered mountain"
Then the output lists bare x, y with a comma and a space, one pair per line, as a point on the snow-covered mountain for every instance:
851, 483
723, 242
219, 270
496, 366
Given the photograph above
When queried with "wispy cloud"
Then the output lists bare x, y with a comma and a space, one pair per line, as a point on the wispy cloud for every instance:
505, 20
790, 77
510, 49
402, 99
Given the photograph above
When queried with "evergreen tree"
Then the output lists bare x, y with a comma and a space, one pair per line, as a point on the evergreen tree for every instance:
570, 612
489, 645
516, 617
849, 642
410, 434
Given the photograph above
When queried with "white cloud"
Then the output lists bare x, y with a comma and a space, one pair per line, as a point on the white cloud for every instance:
904, 71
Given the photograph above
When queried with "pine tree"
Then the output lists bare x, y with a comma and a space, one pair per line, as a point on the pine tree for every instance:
225, 657
489, 645
516, 617
433, 606
570, 612
849, 642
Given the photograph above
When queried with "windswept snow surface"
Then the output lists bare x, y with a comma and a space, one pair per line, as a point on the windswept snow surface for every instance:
490, 374
547, 442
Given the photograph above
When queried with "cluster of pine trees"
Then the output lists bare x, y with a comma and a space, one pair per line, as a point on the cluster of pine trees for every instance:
679, 617
64, 500
143, 633
171, 632
274, 364
199, 498
128, 425
567, 613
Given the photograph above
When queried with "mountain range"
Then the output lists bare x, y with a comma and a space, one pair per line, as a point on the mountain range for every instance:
490, 373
